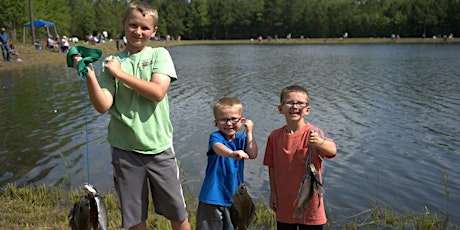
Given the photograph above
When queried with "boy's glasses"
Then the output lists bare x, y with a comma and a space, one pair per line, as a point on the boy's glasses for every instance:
232, 120
300, 104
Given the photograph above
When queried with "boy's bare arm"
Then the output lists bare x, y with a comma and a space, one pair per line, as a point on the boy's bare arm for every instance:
224, 151
252, 149
327, 147
273, 195
100, 99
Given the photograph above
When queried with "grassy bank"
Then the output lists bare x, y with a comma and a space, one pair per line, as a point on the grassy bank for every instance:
46, 207
32, 57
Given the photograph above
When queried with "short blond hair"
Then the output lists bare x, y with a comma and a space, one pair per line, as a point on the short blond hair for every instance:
144, 8
227, 102
293, 88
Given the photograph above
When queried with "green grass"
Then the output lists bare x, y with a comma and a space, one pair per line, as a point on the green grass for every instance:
47, 207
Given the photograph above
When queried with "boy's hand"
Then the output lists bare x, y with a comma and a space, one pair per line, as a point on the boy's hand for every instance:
76, 59
248, 123
240, 155
113, 66
315, 139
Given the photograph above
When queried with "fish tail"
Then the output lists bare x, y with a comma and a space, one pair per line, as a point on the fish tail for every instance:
319, 188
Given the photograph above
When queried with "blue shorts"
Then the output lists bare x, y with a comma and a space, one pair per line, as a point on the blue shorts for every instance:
135, 173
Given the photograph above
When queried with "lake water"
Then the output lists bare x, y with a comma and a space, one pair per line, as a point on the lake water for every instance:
392, 109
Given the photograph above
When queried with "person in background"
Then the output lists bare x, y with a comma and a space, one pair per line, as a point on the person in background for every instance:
117, 43
95, 38
4, 40
227, 151
126, 41
133, 89
52, 44
105, 35
289, 149
15, 52
64, 44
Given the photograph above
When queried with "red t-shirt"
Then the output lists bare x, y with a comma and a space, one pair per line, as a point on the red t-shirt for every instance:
287, 155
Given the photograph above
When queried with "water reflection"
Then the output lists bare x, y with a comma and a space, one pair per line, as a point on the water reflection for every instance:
392, 109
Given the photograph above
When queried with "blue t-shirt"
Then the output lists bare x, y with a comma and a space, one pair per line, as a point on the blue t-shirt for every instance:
223, 174
4, 38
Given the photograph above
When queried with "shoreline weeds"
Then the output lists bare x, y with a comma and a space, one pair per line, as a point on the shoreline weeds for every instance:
47, 207
32, 57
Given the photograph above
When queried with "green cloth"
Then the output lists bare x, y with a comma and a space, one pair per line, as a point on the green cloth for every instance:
89, 55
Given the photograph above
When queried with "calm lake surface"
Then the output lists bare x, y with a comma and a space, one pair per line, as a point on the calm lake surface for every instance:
392, 109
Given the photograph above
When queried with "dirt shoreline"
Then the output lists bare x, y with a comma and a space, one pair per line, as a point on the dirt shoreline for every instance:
32, 57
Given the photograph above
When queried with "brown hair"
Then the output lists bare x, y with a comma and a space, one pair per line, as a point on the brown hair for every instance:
226, 102
144, 8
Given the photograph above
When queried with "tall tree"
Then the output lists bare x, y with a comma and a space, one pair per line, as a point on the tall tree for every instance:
453, 17
293, 17
109, 14
12, 15
316, 19
257, 17
83, 20
222, 18
31, 16
426, 14
174, 14
274, 22
198, 20
56, 11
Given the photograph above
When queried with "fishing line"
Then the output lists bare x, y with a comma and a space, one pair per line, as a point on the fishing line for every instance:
85, 95
308, 161
243, 145
85, 103
323, 174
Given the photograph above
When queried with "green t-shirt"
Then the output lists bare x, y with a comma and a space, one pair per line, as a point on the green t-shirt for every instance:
137, 123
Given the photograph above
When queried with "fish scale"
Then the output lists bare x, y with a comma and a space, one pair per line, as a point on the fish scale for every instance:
310, 182
242, 211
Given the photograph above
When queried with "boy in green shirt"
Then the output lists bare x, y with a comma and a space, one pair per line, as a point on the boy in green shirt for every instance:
133, 89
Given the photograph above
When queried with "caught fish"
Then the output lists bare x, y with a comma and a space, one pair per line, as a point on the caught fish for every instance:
304, 195
79, 215
310, 183
89, 212
317, 185
243, 210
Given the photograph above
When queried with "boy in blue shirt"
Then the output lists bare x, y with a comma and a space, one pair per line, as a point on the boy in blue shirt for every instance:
224, 171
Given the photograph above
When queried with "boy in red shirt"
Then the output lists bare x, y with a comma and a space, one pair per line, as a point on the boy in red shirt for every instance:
288, 150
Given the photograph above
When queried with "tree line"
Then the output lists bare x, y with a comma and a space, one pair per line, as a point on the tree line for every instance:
242, 19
